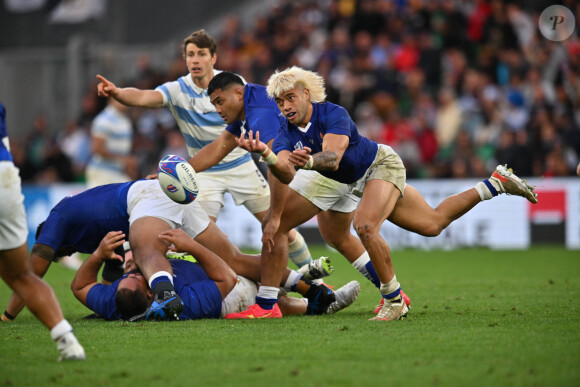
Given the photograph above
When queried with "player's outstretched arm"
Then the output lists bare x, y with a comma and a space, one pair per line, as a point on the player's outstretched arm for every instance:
217, 270
87, 275
129, 96
214, 152
333, 148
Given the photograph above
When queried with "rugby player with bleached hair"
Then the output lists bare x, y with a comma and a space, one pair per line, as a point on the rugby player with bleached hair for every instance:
321, 136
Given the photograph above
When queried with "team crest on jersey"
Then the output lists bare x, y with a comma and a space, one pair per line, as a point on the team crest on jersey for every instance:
298, 145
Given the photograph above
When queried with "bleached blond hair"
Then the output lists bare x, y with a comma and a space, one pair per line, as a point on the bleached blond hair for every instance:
282, 81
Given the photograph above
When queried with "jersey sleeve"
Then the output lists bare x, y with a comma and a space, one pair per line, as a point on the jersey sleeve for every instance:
265, 121
282, 142
338, 121
53, 231
235, 128
165, 91
101, 300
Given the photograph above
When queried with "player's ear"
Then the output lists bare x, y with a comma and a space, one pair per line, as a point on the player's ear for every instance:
213, 59
239, 92
307, 94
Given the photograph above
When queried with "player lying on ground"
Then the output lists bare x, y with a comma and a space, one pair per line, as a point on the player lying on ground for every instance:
209, 289
321, 136
142, 211
188, 101
14, 266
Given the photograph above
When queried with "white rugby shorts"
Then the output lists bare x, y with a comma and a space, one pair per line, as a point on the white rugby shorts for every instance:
324, 193
145, 198
245, 183
13, 227
241, 296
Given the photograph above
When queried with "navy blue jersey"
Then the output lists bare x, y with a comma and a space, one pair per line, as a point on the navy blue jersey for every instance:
330, 118
4, 148
81, 221
261, 114
200, 295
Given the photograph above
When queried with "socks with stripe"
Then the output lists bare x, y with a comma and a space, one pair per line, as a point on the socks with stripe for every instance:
298, 251
391, 290
487, 189
161, 282
364, 266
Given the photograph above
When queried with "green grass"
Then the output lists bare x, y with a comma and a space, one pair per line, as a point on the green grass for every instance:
478, 318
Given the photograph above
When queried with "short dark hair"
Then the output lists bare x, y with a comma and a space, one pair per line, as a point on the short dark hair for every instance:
202, 40
130, 303
223, 80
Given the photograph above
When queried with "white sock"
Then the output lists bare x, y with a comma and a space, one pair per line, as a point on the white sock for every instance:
488, 188
292, 280
60, 329
268, 292
298, 251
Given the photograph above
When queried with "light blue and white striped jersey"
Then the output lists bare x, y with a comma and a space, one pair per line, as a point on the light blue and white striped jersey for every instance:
116, 128
197, 119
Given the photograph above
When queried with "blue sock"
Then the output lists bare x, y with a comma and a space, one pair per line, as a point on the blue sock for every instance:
374, 277
266, 303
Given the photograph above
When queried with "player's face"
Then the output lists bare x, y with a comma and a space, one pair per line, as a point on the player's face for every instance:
133, 281
229, 103
295, 105
199, 62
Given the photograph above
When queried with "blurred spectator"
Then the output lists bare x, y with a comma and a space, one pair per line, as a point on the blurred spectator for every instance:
454, 86
111, 145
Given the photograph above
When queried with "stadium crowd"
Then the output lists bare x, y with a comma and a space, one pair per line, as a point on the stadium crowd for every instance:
454, 87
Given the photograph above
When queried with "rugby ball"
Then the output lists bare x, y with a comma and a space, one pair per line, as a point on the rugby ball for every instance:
177, 179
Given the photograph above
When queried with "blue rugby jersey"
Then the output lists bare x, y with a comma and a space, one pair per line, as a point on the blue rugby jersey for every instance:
330, 118
81, 221
200, 295
261, 114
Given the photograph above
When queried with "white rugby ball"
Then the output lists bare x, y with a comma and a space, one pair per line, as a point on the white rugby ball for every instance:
177, 179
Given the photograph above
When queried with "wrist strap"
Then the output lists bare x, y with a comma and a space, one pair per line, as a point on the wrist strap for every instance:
309, 163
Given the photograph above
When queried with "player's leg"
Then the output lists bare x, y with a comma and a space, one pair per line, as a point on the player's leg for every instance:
40, 299
378, 200
413, 213
273, 265
16, 303
149, 255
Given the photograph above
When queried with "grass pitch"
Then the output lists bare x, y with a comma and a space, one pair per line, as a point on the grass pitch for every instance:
478, 318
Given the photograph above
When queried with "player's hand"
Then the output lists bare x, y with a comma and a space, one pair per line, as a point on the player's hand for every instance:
152, 176
109, 244
270, 225
251, 144
105, 88
299, 157
179, 239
